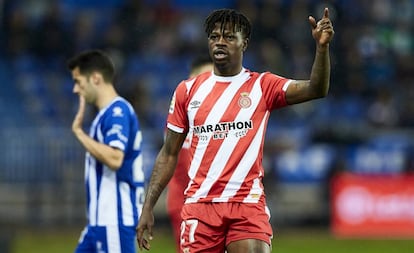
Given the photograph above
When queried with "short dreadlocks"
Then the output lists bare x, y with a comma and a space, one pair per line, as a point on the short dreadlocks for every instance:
237, 20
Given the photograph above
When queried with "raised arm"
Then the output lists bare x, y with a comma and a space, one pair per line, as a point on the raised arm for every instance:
318, 85
110, 156
162, 172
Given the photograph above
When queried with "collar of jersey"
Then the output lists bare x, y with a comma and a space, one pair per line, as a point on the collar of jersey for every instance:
227, 78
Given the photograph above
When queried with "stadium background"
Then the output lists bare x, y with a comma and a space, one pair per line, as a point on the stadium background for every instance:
364, 126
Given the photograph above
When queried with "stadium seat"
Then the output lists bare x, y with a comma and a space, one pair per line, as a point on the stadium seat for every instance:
311, 164
367, 159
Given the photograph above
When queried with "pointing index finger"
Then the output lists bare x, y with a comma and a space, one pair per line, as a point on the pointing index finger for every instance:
326, 13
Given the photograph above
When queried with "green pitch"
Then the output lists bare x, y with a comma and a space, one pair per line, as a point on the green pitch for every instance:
286, 241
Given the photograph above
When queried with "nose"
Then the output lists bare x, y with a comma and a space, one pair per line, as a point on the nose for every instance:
221, 40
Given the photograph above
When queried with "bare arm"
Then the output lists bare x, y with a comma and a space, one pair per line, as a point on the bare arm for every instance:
111, 157
162, 172
318, 85
164, 167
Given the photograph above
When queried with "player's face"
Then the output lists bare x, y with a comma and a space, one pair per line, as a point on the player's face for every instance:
226, 48
83, 86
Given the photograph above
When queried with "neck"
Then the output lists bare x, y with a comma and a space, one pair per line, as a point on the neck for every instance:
106, 97
230, 68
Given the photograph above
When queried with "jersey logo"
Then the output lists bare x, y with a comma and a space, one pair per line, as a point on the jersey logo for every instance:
244, 100
222, 130
117, 112
195, 104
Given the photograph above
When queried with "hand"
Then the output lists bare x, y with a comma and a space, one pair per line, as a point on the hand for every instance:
77, 121
322, 31
146, 222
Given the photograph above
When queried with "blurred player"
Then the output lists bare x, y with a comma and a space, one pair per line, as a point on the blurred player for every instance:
227, 111
114, 177
179, 181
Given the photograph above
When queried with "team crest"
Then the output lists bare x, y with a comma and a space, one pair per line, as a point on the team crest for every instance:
117, 112
244, 100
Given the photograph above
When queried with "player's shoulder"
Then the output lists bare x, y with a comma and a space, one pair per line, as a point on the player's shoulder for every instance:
251, 72
254, 75
196, 80
121, 106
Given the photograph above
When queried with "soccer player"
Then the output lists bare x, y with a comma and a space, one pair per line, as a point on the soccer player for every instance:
228, 110
114, 176
179, 181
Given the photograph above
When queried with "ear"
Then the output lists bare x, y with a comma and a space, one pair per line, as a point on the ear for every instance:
245, 44
96, 78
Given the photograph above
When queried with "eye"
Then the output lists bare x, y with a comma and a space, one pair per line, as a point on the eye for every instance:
230, 37
213, 37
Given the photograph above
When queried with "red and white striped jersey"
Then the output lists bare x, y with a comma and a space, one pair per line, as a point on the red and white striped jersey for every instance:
228, 118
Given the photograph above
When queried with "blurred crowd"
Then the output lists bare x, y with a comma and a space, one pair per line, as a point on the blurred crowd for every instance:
153, 43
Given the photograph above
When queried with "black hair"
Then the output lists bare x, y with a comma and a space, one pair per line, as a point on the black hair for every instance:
93, 60
237, 20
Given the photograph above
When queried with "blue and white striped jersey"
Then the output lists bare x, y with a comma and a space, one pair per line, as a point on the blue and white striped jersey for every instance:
115, 197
